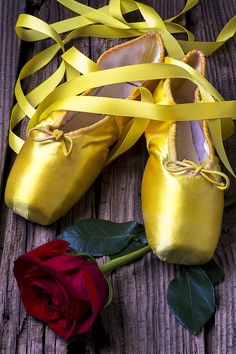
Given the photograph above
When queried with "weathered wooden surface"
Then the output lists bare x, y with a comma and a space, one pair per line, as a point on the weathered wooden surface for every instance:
138, 320
210, 17
8, 69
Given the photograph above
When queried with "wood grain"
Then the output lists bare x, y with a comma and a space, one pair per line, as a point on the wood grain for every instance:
206, 21
138, 320
9, 60
28, 335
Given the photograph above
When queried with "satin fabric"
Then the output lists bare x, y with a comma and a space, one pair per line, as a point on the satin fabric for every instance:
44, 183
108, 22
182, 213
48, 177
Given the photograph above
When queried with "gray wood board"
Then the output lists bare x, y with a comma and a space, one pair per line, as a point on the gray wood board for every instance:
10, 54
138, 320
206, 21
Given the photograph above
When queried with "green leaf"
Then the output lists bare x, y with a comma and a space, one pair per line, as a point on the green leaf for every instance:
100, 237
213, 272
191, 298
135, 244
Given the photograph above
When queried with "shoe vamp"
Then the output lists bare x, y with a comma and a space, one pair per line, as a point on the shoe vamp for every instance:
44, 183
181, 212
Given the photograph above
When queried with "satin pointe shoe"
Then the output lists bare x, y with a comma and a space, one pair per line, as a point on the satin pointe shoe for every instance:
63, 155
182, 187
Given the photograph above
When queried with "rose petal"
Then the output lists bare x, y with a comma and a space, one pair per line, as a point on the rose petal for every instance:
98, 292
79, 317
87, 322
57, 296
64, 263
57, 328
50, 249
89, 284
76, 285
67, 327
23, 264
65, 291
67, 270
36, 305
96, 284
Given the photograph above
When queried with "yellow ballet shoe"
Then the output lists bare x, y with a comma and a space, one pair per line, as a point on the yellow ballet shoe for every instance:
182, 187
63, 154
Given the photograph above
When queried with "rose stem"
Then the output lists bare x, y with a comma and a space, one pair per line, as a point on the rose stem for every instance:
108, 267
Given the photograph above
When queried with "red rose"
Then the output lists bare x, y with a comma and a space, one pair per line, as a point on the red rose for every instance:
65, 291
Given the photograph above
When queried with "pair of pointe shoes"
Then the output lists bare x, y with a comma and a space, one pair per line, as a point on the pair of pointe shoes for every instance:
182, 193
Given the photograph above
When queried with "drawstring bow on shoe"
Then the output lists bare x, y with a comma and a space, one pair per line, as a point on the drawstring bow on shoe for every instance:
186, 166
55, 135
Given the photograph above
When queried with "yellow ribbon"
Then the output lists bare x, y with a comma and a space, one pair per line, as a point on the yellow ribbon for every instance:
112, 16
181, 167
106, 22
61, 97
133, 131
53, 134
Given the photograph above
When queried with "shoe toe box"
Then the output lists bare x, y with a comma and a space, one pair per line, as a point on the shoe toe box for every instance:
182, 215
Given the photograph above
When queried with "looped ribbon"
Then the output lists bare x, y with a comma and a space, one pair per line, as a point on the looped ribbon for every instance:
109, 22
181, 167
54, 135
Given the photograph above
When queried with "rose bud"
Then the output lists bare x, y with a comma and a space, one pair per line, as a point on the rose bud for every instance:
63, 290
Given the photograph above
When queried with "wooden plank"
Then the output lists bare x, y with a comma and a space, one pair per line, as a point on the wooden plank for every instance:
10, 50
206, 21
27, 334
138, 320
8, 69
